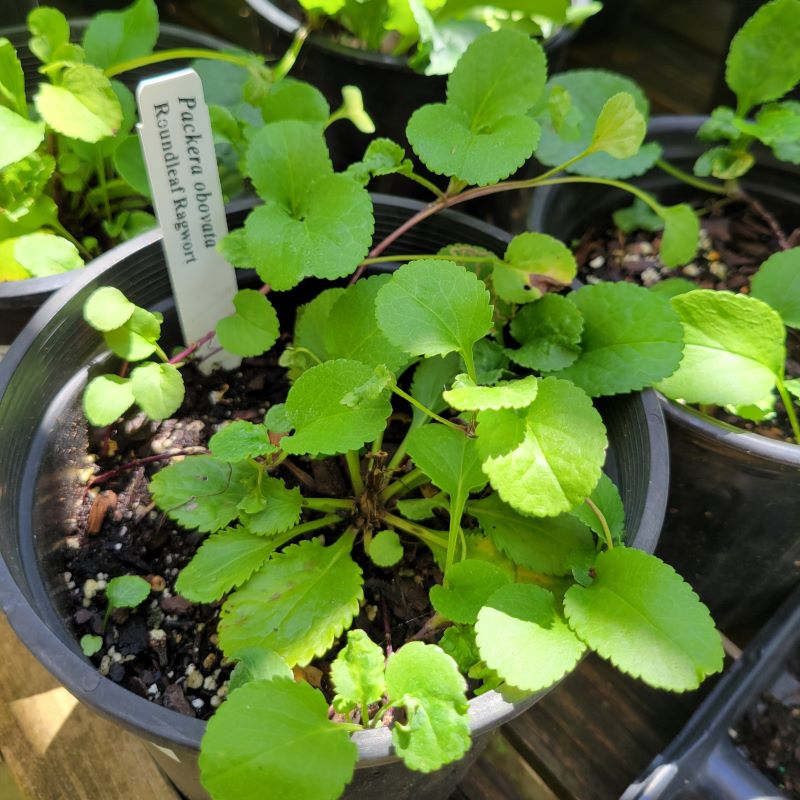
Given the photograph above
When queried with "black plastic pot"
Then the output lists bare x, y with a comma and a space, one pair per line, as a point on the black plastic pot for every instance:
701, 763
391, 90
44, 445
20, 299
733, 524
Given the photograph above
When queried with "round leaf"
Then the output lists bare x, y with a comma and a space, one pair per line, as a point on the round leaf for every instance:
278, 731
468, 586
107, 308
137, 338
524, 640
777, 283
158, 389
559, 459
253, 329
127, 591
681, 234
385, 549
258, 664
116, 36
646, 620
239, 440
106, 399
620, 128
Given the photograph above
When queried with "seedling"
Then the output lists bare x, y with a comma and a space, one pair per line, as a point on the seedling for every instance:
127, 591
91, 644
495, 373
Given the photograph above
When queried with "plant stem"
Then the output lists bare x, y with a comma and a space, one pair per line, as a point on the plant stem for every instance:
60, 229
354, 468
399, 454
431, 256
403, 483
603, 523
691, 180
100, 169
327, 504
426, 534
281, 69
453, 532
789, 406
424, 182
306, 527
191, 348
433, 415
104, 476
180, 52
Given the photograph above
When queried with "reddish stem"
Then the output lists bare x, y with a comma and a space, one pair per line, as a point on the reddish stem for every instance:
103, 477
191, 348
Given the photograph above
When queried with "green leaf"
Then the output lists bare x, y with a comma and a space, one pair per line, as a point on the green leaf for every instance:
158, 389
129, 164
483, 134
127, 591
458, 641
380, 380
276, 419
558, 461
533, 263
322, 422
468, 585
432, 308
91, 644
449, 458
672, 287
280, 508
607, 499
279, 729
253, 329
279, 607
466, 396
421, 508
315, 223
19, 137
549, 331
352, 108
637, 217
357, 673
734, 349
551, 545
351, 330
137, 338
777, 283
590, 90
106, 399
382, 157
430, 379
298, 100
22, 184
681, 232
764, 61
83, 105
239, 440
620, 129
12, 79
631, 338
50, 35
200, 492
646, 620
725, 163
44, 254
426, 682
224, 561
258, 664
312, 322
117, 36
385, 549
522, 637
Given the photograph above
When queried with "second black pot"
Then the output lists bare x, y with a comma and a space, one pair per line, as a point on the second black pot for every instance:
43, 436
733, 522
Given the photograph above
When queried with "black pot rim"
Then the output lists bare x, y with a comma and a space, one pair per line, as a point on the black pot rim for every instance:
32, 289
370, 58
153, 722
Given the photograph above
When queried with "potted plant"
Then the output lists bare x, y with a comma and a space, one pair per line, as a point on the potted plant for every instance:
732, 525
483, 487
712, 754
72, 177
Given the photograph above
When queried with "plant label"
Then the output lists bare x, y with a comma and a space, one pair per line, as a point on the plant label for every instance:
178, 146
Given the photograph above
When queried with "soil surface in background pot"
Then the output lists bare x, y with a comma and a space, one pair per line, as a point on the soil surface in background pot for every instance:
769, 734
166, 649
735, 239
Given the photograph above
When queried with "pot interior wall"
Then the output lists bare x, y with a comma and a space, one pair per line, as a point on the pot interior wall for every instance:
45, 441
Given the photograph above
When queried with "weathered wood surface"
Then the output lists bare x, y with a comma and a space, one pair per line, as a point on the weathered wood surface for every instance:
53, 748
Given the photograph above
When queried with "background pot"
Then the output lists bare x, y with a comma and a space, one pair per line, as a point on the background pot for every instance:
44, 443
701, 762
20, 299
733, 524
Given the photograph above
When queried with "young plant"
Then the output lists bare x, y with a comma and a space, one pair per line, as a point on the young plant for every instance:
498, 469
433, 35
735, 351
72, 178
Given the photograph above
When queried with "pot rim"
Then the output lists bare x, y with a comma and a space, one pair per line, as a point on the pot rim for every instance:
31, 291
287, 24
172, 729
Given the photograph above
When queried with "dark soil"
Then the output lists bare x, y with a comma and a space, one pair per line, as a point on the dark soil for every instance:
166, 649
735, 239
769, 734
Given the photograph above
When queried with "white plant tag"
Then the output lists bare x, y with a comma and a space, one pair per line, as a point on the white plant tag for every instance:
178, 146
